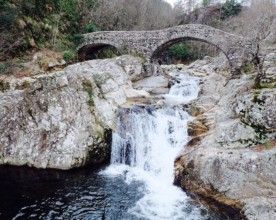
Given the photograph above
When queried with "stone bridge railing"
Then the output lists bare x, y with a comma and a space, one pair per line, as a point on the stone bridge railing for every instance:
149, 44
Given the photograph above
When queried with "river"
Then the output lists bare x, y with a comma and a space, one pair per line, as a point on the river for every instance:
138, 183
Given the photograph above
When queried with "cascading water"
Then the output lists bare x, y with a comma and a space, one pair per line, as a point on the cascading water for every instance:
144, 147
138, 185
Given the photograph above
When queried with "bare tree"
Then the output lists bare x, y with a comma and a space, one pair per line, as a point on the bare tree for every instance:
258, 22
131, 15
255, 21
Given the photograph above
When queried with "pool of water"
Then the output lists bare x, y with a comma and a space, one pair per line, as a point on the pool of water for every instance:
79, 194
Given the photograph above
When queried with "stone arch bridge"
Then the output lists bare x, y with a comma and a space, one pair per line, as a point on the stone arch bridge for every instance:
148, 44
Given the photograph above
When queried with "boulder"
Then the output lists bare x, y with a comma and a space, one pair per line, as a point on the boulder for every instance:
62, 120
153, 84
258, 109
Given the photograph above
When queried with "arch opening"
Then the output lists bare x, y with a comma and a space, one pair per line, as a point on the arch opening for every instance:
184, 50
98, 51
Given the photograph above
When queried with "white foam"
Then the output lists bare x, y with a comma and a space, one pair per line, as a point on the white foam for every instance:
183, 91
144, 149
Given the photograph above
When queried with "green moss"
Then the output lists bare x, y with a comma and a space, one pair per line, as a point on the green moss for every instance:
69, 56
125, 50
23, 86
268, 145
4, 86
5, 67
99, 134
247, 68
271, 85
256, 98
87, 86
260, 131
247, 142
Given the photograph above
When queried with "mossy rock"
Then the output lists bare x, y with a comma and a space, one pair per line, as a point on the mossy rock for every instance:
23, 86
4, 86
256, 98
248, 68
88, 87
270, 85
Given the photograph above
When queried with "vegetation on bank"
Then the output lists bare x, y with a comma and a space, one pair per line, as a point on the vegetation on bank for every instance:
186, 52
56, 25
34, 24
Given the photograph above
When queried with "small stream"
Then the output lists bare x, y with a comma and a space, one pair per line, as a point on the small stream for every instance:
138, 184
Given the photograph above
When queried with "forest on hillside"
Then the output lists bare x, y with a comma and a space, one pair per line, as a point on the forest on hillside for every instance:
33, 25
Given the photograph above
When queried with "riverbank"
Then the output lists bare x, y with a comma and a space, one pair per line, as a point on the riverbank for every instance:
231, 155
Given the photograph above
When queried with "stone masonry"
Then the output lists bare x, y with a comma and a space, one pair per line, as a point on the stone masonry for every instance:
149, 44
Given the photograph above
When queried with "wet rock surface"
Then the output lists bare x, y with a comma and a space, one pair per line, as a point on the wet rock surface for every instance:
231, 155
153, 84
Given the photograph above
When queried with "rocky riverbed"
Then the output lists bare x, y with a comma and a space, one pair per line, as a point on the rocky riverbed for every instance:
231, 156
64, 120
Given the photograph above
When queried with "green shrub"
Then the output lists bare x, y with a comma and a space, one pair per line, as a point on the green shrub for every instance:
248, 68
4, 86
179, 51
107, 52
88, 28
69, 55
206, 3
8, 15
5, 67
230, 8
77, 39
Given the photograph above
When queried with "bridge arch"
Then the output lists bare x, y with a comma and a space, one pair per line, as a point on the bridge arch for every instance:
88, 52
162, 46
237, 49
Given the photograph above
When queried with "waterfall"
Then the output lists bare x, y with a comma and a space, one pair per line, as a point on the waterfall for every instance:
150, 139
144, 147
